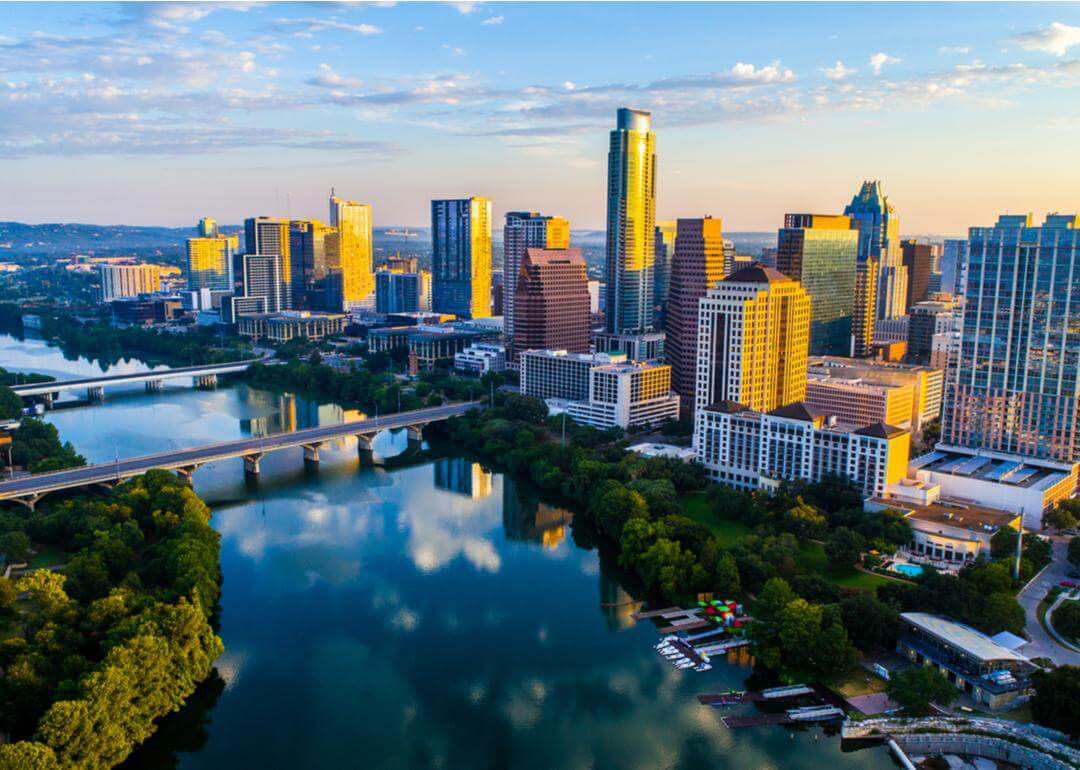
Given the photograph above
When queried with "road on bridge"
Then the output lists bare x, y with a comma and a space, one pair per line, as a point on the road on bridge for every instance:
37, 388
41, 483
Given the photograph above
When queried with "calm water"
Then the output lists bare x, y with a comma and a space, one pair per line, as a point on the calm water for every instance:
432, 616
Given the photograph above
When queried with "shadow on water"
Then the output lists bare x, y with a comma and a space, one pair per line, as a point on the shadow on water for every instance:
182, 732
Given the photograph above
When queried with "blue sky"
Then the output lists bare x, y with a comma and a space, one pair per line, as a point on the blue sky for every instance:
161, 113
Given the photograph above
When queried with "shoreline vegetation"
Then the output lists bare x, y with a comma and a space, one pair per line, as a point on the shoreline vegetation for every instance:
94, 654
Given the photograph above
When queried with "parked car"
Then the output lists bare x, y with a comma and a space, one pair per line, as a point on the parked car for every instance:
1067, 584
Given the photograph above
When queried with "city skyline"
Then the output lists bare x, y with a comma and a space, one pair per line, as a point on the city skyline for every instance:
430, 101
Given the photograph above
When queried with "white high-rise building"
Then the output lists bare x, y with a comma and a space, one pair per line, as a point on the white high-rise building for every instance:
128, 280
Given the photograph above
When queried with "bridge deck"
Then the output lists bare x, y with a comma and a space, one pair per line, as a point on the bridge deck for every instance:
38, 388
186, 458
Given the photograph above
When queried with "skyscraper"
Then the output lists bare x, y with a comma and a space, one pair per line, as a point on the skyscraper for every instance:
267, 237
697, 264
524, 230
398, 291
461, 257
1015, 384
752, 340
118, 281
551, 306
631, 221
879, 229
918, 258
820, 252
307, 249
664, 251
207, 228
864, 319
355, 254
954, 266
209, 262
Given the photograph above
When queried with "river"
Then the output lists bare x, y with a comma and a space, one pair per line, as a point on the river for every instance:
437, 615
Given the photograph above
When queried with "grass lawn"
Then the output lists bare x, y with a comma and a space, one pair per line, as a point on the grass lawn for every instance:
48, 556
857, 681
726, 531
812, 558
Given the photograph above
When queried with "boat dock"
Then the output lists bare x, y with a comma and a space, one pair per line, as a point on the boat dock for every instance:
770, 694
716, 648
789, 717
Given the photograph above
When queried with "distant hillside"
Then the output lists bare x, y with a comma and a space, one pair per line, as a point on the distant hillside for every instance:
54, 240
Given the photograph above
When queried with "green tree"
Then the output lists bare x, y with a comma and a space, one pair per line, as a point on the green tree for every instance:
844, 547
1064, 515
46, 588
1056, 703
11, 404
1074, 551
774, 597
7, 595
27, 755
915, 688
15, 546
726, 573
805, 521
614, 506
1067, 619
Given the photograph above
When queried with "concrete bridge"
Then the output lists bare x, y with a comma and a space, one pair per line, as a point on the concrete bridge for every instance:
29, 489
205, 377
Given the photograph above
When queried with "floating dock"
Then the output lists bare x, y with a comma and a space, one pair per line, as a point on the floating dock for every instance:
771, 694
789, 717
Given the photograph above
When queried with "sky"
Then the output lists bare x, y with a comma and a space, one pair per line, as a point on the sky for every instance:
157, 114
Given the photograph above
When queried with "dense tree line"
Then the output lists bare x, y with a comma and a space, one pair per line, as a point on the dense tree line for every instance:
369, 385
107, 345
36, 446
1057, 699
96, 653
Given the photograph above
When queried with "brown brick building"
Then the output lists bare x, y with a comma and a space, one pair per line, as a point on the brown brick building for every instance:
551, 302
696, 265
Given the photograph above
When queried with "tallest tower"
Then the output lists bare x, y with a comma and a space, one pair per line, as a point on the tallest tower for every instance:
631, 218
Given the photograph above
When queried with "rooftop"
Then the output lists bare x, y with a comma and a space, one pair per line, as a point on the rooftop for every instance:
852, 384
964, 638
1014, 470
957, 513
757, 273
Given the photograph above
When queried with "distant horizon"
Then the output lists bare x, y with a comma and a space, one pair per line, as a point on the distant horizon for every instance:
158, 113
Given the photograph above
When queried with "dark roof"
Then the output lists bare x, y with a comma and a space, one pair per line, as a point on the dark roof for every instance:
881, 430
554, 256
727, 407
757, 273
795, 411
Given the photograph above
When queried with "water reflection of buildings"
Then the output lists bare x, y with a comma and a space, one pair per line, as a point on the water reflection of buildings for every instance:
527, 519
284, 412
617, 605
458, 475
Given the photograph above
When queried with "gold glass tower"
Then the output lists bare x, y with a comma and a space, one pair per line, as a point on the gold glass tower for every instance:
355, 251
631, 222
753, 334
209, 260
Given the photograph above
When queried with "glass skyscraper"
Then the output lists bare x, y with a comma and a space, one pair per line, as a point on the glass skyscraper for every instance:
820, 252
461, 257
954, 266
1014, 386
631, 222
879, 229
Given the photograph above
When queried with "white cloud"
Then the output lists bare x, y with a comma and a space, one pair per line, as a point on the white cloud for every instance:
954, 49
1056, 39
770, 73
309, 26
568, 85
839, 72
880, 59
464, 7
492, 20
455, 50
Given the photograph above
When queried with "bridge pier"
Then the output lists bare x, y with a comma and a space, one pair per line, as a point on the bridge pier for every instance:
95, 393
29, 500
153, 386
251, 463
186, 472
415, 435
364, 442
206, 381
311, 455
47, 399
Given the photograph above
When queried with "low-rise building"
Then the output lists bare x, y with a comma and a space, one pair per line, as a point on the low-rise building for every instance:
481, 357
751, 450
951, 532
602, 390
287, 325
636, 347
859, 402
669, 451
991, 673
996, 479
926, 383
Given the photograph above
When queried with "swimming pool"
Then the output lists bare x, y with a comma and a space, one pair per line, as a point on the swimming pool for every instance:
908, 570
